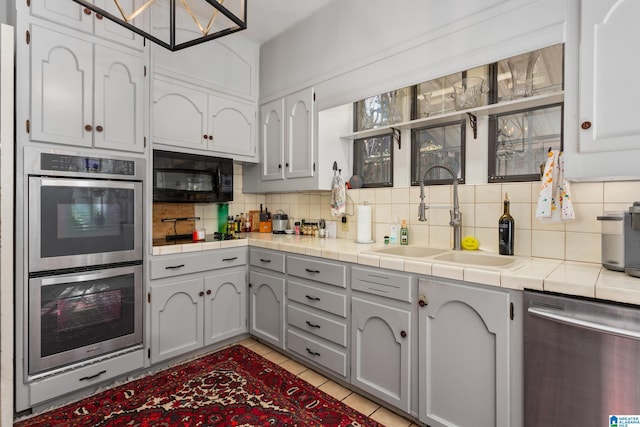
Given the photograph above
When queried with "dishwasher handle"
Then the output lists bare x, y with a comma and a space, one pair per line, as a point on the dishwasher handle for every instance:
585, 324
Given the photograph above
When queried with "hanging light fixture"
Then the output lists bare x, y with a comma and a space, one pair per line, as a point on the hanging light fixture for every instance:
174, 24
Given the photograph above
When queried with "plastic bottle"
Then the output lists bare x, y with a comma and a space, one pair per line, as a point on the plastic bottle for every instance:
506, 230
393, 232
404, 233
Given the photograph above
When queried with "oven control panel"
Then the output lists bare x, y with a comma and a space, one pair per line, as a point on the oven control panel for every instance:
70, 163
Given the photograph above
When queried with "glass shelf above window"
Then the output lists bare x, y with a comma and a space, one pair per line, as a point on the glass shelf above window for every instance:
484, 110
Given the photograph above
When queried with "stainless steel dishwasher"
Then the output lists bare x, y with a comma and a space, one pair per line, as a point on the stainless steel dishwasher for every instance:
582, 361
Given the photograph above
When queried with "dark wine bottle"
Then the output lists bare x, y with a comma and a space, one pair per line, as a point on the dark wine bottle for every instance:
506, 230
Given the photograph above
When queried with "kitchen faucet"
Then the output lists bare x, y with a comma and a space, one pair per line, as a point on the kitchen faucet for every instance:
454, 211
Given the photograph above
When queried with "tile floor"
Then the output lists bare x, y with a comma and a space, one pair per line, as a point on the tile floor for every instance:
346, 396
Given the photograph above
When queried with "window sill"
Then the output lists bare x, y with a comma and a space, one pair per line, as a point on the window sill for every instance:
485, 110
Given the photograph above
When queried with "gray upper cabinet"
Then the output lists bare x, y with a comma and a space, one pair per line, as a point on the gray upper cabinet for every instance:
464, 354
272, 140
74, 16
102, 88
192, 117
299, 130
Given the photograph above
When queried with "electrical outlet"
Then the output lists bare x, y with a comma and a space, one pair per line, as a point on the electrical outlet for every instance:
345, 224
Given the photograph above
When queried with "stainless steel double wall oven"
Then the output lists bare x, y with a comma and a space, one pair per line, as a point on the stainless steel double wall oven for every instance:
84, 256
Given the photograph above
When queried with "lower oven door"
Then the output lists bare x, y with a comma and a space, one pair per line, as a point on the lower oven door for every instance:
74, 317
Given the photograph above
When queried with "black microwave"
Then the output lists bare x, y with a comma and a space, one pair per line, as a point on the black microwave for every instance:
191, 178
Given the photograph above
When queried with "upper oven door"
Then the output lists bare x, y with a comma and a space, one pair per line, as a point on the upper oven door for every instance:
82, 222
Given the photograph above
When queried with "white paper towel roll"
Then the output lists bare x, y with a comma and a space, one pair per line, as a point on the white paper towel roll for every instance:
364, 224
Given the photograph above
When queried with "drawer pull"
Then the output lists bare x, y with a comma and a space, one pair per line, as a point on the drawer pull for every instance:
312, 298
90, 377
308, 270
313, 325
379, 277
313, 353
173, 267
265, 260
230, 259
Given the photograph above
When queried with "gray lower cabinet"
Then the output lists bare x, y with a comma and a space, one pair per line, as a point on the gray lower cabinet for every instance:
198, 308
266, 295
383, 335
266, 305
465, 340
317, 313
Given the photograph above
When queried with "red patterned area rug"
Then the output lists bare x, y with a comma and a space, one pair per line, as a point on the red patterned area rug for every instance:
232, 387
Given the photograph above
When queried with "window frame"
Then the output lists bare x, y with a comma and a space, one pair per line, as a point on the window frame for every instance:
358, 161
492, 176
415, 153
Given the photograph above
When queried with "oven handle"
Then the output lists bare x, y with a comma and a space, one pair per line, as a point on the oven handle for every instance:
584, 324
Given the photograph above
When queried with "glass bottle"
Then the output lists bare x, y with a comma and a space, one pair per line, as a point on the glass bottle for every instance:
506, 230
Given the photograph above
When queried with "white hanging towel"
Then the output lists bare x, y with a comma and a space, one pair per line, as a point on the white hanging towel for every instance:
554, 199
338, 196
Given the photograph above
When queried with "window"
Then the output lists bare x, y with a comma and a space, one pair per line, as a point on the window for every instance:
519, 142
373, 160
383, 110
458, 91
437, 145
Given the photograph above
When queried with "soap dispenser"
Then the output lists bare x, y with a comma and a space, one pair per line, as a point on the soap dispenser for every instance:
404, 233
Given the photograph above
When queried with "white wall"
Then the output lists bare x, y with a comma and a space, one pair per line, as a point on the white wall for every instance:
356, 48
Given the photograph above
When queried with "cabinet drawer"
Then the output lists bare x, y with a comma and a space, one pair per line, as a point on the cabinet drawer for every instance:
312, 349
267, 259
383, 283
321, 271
170, 265
322, 299
318, 325
57, 385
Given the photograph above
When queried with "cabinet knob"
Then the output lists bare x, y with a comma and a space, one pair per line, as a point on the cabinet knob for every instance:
86, 11
286, 164
201, 293
585, 125
280, 166
422, 300
205, 136
210, 137
88, 128
98, 16
208, 291
99, 128
403, 334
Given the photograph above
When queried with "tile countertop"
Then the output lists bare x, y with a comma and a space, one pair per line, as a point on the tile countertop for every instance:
572, 278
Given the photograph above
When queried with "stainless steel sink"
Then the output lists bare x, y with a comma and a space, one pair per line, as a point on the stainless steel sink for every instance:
408, 251
478, 259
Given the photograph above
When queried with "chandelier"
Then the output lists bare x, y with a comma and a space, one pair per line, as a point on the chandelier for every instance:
174, 24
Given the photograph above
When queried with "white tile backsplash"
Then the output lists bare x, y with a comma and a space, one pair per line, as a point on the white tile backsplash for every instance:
481, 206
